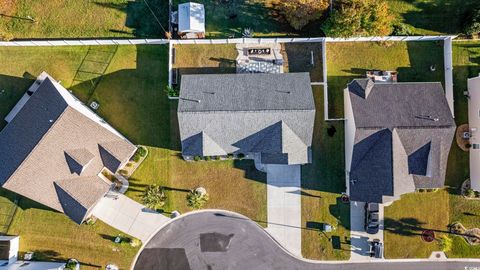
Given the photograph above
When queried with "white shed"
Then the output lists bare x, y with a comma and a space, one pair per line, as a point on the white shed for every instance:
191, 18
474, 126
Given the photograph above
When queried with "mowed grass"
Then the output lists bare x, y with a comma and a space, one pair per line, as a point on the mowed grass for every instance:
432, 17
406, 218
53, 236
350, 60
82, 19
322, 184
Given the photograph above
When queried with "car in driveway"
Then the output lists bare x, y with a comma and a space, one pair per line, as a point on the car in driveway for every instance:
372, 220
376, 249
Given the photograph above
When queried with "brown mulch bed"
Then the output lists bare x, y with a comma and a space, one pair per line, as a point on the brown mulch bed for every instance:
461, 142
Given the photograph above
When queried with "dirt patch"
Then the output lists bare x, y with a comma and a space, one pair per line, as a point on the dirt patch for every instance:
7, 7
461, 141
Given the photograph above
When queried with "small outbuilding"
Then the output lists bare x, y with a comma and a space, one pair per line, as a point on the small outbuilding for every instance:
191, 20
9, 248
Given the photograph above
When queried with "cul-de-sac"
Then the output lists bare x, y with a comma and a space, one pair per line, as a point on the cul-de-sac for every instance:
240, 134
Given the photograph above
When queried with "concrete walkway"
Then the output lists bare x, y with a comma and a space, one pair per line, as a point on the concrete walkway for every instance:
128, 216
360, 239
284, 206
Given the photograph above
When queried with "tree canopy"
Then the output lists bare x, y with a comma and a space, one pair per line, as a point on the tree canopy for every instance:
359, 18
299, 13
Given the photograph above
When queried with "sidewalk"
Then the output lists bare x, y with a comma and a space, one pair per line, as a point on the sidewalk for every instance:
128, 216
284, 206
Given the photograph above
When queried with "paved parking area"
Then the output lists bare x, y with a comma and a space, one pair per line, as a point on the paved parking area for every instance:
284, 206
361, 239
128, 216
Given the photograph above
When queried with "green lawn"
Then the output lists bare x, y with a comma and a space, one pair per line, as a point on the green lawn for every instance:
347, 61
432, 17
322, 184
82, 19
406, 218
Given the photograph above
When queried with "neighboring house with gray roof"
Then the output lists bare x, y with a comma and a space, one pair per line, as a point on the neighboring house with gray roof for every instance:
269, 116
54, 148
397, 138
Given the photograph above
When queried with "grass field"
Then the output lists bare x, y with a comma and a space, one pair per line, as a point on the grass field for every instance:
82, 19
322, 184
412, 61
432, 17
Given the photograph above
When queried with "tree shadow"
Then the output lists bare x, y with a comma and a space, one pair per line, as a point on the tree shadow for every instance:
341, 211
443, 16
140, 17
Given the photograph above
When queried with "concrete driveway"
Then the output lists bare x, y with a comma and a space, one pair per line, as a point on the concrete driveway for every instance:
284, 206
360, 240
128, 216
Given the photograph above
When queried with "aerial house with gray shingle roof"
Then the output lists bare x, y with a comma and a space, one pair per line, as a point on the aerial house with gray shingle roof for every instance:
266, 116
397, 138
54, 148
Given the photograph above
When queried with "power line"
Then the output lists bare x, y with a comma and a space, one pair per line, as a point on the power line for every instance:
159, 23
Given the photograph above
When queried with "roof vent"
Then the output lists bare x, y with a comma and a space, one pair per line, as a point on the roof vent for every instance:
286, 92
427, 117
188, 99
211, 93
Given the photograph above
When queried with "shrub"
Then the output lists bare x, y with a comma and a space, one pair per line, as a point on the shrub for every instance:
141, 151
197, 158
299, 13
154, 197
241, 156
123, 172
401, 29
229, 156
218, 157
359, 18
445, 243
135, 242
136, 158
196, 200
171, 92
468, 145
208, 158
470, 193
421, 190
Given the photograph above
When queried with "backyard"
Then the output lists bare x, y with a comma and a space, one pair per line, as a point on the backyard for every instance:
350, 60
104, 18
427, 17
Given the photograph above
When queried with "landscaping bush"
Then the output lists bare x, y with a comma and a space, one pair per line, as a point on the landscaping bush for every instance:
299, 13
142, 151
470, 193
196, 200
421, 190
446, 243
241, 156
229, 156
154, 197
123, 172
401, 29
171, 92
208, 158
472, 22
359, 18
197, 158
135, 242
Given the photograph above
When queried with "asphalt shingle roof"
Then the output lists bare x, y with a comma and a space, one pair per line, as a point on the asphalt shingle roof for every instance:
421, 121
50, 131
242, 113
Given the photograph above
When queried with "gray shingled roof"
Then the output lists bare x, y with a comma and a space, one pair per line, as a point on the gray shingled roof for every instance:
403, 136
240, 113
51, 132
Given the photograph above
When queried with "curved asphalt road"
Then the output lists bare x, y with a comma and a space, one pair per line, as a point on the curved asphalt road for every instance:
213, 240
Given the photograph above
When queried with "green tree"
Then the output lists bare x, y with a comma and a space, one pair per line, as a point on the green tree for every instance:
196, 200
154, 197
299, 13
359, 18
472, 22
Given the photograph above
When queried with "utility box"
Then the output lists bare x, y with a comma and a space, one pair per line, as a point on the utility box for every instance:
9, 248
